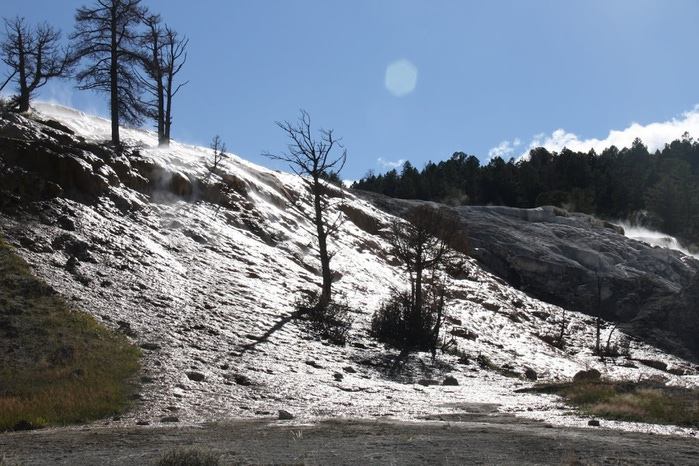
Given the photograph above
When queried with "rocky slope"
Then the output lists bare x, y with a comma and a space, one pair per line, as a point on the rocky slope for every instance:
584, 264
202, 270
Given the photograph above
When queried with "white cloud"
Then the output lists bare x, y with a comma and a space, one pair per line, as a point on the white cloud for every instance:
653, 135
388, 164
504, 149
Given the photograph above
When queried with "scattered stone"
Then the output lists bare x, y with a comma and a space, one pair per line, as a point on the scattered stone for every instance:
66, 223
285, 415
338, 376
493, 307
196, 376
654, 364
593, 423
314, 364
450, 381
241, 379
23, 425
150, 346
427, 382
170, 419
125, 328
142, 423
349, 370
530, 374
463, 333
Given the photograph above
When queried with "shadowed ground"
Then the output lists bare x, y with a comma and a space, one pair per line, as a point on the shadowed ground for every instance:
468, 439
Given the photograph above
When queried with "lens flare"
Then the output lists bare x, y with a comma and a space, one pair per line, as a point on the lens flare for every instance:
401, 77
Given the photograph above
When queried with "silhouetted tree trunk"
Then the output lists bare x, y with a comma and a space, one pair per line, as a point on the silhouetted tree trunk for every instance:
163, 57
105, 37
312, 159
424, 243
33, 55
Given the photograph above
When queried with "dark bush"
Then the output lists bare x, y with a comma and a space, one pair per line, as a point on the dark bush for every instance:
188, 457
398, 324
331, 323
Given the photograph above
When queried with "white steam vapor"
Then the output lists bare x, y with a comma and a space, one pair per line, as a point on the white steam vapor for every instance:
653, 135
654, 238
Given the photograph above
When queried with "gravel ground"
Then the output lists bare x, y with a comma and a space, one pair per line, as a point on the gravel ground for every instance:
477, 438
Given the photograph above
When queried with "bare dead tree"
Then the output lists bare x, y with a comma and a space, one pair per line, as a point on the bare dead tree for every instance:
312, 159
598, 307
162, 57
425, 243
33, 55
105, 38
219, 148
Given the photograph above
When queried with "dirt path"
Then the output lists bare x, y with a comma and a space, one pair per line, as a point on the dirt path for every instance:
470, 439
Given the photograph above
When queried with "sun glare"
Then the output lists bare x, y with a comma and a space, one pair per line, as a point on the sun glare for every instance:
401, 77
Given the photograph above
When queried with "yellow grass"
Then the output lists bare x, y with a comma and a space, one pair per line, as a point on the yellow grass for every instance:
58, 365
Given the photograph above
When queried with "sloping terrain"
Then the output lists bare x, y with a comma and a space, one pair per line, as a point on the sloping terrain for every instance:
202, 270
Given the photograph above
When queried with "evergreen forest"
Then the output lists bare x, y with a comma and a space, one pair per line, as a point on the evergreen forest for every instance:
657, 190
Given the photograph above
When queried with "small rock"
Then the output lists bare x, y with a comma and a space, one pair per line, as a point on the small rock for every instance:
338, 376
427, 382
23, 425
242, 380
170, 419
150, 346
285, 415
493, 307
142, 423
450, 381
66, 223
530, 374
349, 370
196, 376
593, 423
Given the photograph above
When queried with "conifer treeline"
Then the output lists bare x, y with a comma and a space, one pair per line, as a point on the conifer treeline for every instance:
662, 187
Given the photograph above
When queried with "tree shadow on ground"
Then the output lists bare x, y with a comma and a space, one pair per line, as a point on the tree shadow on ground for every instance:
273, 329
406, 366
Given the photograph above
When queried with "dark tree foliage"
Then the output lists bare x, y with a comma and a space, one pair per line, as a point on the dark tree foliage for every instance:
106, 40
630, 183
33, 56
425, 245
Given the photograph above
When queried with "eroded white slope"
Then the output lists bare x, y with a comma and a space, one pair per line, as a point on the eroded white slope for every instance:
199, 286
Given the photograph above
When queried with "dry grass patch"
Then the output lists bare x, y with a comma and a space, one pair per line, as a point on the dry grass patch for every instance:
645, 401
57, 365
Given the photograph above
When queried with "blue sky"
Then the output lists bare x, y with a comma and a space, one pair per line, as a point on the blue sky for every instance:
418, 80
